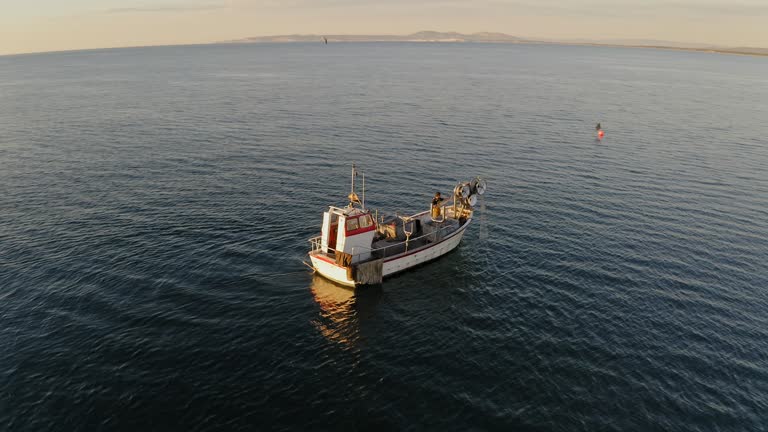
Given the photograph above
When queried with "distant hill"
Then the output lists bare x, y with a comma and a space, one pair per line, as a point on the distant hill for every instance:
635, 42
487, 37
430, 36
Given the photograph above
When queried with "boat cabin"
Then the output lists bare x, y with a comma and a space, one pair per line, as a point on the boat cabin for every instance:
348, 231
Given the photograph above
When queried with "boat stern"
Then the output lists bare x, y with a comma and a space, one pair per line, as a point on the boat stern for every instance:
327, 267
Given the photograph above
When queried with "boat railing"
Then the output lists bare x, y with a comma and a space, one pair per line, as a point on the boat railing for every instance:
317, 243
397, 248
386, 251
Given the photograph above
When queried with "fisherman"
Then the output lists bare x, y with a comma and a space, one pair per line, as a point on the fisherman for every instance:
436, 205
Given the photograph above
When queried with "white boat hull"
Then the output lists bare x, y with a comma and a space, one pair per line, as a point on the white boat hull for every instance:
326, 267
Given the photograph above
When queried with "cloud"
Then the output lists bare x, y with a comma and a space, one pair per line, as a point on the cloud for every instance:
169, 8
619, 8
318, 4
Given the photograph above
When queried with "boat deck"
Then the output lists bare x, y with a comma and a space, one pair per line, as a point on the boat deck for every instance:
429, 232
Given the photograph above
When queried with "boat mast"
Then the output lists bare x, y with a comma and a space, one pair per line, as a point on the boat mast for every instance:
353, 198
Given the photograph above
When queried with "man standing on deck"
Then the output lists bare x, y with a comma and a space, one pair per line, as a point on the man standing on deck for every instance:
436, 205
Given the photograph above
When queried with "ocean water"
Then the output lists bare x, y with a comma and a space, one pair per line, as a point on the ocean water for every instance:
155, 206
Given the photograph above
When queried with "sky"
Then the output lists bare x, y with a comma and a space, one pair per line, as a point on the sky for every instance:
53, 25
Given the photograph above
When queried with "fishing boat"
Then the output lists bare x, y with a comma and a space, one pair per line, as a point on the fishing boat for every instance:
360, 247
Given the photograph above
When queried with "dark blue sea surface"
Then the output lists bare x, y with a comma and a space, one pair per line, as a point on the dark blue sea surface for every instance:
155, 206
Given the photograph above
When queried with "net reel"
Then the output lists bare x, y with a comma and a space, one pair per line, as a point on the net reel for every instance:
466, 193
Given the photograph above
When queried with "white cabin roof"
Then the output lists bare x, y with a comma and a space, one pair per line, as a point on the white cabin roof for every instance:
347, 211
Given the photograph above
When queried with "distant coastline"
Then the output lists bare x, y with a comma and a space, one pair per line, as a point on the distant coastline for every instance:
444, 37
489, 37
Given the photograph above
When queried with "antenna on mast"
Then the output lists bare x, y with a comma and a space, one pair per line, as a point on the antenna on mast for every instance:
352, 195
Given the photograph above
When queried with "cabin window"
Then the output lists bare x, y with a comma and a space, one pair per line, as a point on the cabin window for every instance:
365, 221
352, 224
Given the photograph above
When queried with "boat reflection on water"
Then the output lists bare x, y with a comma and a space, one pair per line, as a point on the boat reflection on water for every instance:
343, 309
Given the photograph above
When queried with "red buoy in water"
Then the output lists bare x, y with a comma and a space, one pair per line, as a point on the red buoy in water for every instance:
600, 134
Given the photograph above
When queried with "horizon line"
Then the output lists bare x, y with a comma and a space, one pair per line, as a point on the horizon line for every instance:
715, 49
